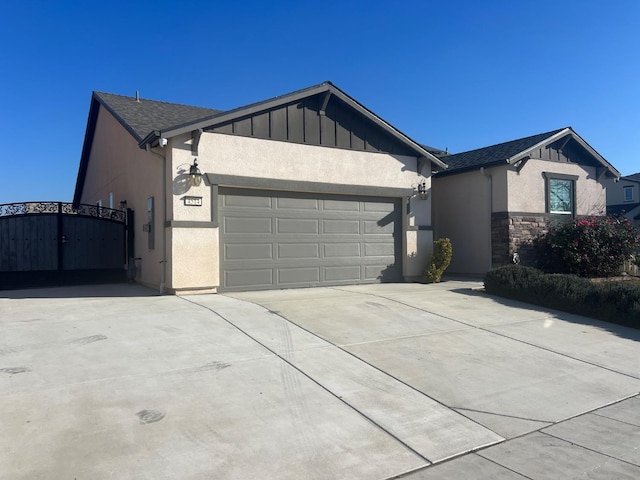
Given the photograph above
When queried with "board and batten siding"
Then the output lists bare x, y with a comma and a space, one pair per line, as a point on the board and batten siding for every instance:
302, 122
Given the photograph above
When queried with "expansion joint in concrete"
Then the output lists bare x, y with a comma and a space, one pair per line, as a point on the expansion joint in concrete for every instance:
281, 357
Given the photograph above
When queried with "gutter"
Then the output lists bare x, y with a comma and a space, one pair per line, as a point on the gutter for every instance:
490, 177
163, 261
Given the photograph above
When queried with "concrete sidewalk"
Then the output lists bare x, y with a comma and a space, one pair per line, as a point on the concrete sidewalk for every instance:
370, 382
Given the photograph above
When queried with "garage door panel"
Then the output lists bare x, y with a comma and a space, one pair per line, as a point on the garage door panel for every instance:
340, 206
298, 275
351, 273
380, 272
297, 203
254, 278
247, 201
375, 228
247, 225
340, 250
298, 250
297, 226
379, 250
378, 207
239, 251
304, 239
337, 227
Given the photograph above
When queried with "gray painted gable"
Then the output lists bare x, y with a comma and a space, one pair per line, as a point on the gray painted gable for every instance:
141, 117
305, 121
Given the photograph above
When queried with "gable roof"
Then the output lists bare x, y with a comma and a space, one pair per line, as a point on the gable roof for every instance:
140, 116
494, 154
148, 121
633, 178
327, 88
622, 209
516, 150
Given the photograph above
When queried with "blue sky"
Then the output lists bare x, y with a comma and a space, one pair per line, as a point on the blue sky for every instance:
455, 74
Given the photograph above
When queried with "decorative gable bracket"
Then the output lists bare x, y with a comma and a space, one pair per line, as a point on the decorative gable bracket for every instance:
421, 163
195, 137
324, 102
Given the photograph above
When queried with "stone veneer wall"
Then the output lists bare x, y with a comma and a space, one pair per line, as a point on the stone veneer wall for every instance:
513, 233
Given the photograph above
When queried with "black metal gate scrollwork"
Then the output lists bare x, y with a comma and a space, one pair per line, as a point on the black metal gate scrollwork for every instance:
44, 243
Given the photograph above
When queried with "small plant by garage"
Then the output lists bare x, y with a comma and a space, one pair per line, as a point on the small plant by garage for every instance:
440, 259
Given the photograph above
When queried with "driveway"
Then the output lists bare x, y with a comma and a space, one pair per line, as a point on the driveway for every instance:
361, 382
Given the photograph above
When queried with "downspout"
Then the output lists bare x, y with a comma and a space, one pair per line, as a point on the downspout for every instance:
490, 177
163, 271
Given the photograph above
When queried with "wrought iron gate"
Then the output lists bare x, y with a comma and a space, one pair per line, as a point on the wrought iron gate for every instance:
44, 243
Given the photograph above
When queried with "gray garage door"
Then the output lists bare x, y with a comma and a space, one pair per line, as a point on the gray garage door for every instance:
280, 240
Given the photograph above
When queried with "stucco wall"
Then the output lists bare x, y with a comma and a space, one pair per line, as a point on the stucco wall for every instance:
251, 157
615, 191
118, 165
526, 189
462, 213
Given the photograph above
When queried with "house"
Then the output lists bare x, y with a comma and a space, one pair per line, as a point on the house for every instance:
310, 188
623, 197
491, 202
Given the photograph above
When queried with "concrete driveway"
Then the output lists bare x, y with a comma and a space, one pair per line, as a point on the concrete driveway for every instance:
362, 382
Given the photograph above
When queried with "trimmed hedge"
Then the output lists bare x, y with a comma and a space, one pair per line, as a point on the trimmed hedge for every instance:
616, 302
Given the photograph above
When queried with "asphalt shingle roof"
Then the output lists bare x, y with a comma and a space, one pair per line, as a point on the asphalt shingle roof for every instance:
494, 153
621, 209
145, 116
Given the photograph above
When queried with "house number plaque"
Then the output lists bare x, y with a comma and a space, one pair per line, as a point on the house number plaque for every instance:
193, 201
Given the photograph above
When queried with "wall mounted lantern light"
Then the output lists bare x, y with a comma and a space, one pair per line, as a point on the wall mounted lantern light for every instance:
195, 175
423, 193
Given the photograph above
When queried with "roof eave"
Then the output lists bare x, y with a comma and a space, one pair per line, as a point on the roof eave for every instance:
92, 120
152, 137
611, 169
563, 133
470, 168
518, 156
293, 97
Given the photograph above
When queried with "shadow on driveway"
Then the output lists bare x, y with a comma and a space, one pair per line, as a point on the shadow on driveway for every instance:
618, 330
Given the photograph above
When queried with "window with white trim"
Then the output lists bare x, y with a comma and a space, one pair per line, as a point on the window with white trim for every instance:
560, 193
628, 193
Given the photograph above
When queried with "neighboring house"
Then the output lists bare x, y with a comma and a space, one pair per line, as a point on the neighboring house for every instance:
306, 189
491, 202
623, 197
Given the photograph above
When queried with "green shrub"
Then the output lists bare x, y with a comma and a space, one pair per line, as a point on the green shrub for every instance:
440, 260
588, 247
617, 302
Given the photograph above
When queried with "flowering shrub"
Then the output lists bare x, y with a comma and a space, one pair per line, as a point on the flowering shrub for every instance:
588, 247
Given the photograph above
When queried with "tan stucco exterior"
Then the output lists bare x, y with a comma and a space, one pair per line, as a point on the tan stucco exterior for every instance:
461, 212
117, 165
615, 191
465, 204
526, 187
191, 239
